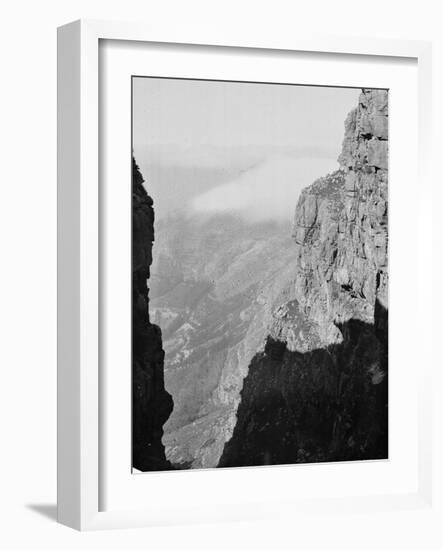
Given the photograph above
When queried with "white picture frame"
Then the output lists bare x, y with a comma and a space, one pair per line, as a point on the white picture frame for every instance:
79, 409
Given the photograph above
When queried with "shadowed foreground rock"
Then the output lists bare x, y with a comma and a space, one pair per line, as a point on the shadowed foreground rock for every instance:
323, 405
151, 403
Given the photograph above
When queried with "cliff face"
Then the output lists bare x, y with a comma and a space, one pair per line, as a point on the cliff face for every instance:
340, 226
318, 391
151, 403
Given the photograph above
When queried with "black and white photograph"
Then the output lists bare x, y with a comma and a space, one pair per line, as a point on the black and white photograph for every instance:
259, 274
222, 265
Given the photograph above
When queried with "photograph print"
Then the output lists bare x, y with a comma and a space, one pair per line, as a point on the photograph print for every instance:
259, 274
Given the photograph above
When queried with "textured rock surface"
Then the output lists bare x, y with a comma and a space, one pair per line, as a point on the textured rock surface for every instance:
340, 226
151, 403
318, 391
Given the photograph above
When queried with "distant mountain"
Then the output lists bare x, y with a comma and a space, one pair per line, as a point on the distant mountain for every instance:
215, 282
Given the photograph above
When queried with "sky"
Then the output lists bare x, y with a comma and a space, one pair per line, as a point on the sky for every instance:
259, 144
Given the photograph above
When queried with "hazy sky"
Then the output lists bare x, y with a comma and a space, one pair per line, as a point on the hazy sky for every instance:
288, 135
192, 113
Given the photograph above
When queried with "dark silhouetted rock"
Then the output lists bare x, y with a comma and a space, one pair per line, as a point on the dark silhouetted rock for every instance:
151, 403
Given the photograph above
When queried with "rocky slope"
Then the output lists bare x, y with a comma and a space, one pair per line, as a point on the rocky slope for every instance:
318, 391
215, 283
151, 403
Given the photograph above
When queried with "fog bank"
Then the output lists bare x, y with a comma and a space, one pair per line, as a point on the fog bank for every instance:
268, 191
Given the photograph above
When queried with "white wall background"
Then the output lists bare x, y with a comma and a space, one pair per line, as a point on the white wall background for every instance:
28, 268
